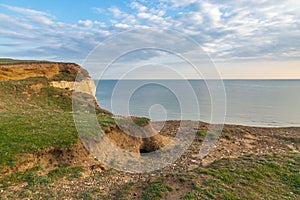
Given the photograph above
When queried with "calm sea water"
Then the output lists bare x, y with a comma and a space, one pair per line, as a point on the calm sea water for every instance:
271, 103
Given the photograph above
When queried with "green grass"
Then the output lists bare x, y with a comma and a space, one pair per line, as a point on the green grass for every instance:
141, 121
125, 191
212, 136
16, 96
63, 76
54, 97
201, 133
33, 131
273, 177
106, 120
32, 121
14, 61
63, 170
227, 137
248, 177
155, 189
33, 180
189, 196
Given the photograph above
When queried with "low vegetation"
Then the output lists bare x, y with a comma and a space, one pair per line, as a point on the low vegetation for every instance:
13, 61
141, 121
201, 133
35, 120
64, 76
32, 178
32, 131
255, 177
155, 190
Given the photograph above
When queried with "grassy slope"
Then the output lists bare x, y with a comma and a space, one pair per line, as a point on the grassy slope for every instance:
32, 121
248, 177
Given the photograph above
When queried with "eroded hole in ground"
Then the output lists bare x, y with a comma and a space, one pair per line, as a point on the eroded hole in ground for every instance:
150, 141
144, 151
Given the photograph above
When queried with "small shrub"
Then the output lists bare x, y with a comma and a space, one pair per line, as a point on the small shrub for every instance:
141, 121
227, 137
201, 133
64, 76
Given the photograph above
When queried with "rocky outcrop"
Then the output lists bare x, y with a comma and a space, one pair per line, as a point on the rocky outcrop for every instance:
60, 75
84, 86
21, 71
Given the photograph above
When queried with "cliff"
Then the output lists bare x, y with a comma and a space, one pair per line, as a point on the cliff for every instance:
32, 93
36, 114
59, 75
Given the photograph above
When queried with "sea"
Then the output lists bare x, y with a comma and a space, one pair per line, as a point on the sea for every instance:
261, 103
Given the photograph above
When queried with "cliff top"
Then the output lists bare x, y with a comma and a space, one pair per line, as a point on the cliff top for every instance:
21, 69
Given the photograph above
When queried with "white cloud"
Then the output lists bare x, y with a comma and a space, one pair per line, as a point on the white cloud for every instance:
243, 29
130, 19
7, 21
98, 10
117, 13
138, 6
86, 23
153, 19
228, 30
100, 24
120, 25
32, 15
179, 3
24, 11
212, 11
40, 37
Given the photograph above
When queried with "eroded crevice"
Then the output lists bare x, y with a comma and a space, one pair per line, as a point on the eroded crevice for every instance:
144, 151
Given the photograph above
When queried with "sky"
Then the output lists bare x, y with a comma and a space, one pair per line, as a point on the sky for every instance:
244, 39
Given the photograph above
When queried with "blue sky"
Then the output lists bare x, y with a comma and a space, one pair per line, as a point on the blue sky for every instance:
245, 39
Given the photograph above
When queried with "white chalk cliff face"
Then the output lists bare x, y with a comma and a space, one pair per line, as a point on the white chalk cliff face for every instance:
85, 86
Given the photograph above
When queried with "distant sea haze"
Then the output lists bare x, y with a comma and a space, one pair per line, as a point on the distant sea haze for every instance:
265, 103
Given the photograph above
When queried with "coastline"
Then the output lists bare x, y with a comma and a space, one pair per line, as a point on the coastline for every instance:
42, 156
234, 124
238, 140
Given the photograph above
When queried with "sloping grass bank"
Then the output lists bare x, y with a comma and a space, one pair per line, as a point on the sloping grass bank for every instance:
247, 177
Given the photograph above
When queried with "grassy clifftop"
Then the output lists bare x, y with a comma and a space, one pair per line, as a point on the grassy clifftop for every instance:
14, 61
55, 71
34, 115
